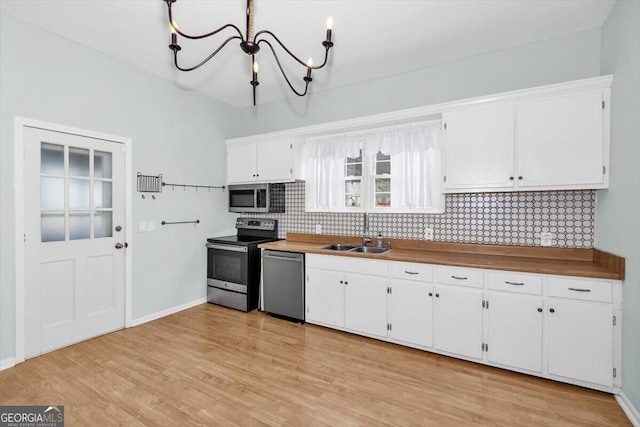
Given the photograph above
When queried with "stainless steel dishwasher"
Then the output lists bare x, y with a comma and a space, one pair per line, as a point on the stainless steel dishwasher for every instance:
283, 284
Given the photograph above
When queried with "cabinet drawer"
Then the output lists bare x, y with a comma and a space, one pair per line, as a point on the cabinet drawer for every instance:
411, 271
514, 282
588, 290
459, 276
348, 264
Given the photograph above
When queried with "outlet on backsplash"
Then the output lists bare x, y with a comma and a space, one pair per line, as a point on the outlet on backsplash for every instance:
545, 239
428, 233
318, 228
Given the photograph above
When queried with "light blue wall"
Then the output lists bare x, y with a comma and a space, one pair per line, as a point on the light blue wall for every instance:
617, 226
558, 60
177, 133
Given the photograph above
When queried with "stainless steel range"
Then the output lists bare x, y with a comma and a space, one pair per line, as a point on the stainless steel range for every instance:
233, 264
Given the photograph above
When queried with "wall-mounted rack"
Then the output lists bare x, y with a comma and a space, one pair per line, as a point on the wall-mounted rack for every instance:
149, 183
184, 186
197, 221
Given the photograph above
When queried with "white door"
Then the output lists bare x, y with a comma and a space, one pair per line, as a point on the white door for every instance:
412, 312
325, 297
74, 238
274, 160
365, 304
458, 320
241, 163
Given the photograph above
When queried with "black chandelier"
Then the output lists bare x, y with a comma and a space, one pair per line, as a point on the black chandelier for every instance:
250, 44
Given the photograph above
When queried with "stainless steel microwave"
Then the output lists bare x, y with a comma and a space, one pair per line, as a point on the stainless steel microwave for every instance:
256, 198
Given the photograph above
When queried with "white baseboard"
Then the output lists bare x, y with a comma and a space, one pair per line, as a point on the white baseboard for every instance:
628, 408
167, 312
7, 363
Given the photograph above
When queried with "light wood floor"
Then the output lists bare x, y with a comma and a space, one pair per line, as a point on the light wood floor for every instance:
218, 367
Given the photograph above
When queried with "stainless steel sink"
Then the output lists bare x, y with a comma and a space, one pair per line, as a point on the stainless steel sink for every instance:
370, 250
339, 247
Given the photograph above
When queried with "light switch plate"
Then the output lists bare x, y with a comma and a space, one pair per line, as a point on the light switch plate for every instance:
142, 226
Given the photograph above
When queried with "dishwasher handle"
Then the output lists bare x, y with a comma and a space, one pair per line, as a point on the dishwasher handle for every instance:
282, 258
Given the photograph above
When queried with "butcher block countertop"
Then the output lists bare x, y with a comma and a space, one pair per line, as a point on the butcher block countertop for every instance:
544, 260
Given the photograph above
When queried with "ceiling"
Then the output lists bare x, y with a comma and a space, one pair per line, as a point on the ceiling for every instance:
373, 39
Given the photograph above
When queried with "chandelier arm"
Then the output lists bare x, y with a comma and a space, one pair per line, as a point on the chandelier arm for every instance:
178, 31
204, 61
306, 86
326, 53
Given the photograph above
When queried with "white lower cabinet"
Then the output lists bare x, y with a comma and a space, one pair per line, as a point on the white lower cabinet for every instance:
581, 340
557, 327
458, 320
411, 312
514, 330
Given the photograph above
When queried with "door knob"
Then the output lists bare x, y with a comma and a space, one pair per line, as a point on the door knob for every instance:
119, 245
118, 228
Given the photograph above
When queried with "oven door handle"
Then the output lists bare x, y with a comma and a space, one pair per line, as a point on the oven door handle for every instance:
227, 247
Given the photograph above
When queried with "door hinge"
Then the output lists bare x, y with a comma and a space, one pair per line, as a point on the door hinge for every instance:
291, 146
25, 238
485, 304
389, 290
485, 347
604, 170
445, 126
388, 326
615, 373
614, 321
290, 170
603, 105
445, 178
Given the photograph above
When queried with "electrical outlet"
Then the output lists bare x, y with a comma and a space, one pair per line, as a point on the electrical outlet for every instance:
428, 233
545, 239
151, 226
318, 228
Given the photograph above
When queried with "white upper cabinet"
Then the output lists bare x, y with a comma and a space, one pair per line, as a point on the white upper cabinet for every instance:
560, 142
550, 138
262, 160
480, 145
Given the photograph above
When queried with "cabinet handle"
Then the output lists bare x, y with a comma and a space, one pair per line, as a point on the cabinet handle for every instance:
520, 178
430, 294
514, 283
411, 272
341, 282
580, 290
510, 178
437, 295
346, 283
539, 310
551, 310
459, 278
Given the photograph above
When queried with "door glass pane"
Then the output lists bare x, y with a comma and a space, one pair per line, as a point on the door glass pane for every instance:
79, 225
78, 161
102, 164
102, 222
51, 193
51, 159
383, 200
102, 194
52, 226
79, 193
352, 193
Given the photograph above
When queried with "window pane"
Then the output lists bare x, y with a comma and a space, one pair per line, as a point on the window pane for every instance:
383, 199
51, 159
78, 161
383, 185
383, 168
354, 170
102, 224
79, 193
51, 193
102, 165
79, 225
354, 159
382, 157
352, 201
52, 226
352, 188
102, 194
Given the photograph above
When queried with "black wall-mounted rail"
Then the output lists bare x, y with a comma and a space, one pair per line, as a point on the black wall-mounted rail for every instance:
197, 221
184, 186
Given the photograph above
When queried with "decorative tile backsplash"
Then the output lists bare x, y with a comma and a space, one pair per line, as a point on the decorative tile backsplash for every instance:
489, 218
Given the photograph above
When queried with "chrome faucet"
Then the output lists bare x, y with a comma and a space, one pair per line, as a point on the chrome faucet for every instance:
365, 229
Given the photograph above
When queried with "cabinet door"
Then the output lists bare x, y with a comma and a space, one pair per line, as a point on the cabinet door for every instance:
365, 304
241, 163
274, 160
581, 340
458, 320
560, 142
324, 297
479, 148
515, 330
412, 312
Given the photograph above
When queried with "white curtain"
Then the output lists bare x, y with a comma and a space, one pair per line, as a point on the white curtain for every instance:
415, 151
